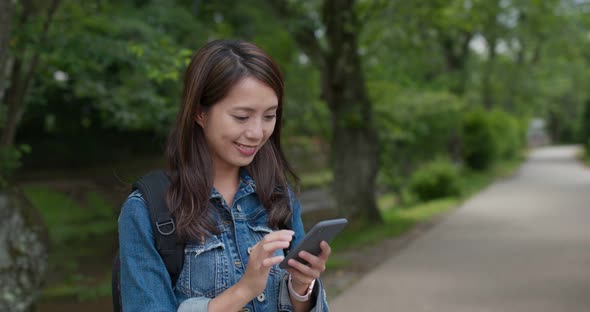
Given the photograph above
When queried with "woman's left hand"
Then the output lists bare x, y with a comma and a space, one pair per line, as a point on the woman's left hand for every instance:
302, 275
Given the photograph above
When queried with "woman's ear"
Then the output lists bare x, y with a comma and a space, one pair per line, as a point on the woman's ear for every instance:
201, 118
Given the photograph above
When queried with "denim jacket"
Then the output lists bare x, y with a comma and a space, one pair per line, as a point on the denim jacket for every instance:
211, 264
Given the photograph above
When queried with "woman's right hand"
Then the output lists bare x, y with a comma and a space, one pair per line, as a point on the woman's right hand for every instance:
261, 261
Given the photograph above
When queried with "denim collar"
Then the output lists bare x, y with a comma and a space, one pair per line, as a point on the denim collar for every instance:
246, 187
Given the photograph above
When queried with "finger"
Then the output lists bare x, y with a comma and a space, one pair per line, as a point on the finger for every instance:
274, 246
300, 278
326, 250
282, 235
304, 269
316, 263
269, 262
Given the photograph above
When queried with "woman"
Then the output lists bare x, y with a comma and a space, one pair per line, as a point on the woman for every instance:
229, 195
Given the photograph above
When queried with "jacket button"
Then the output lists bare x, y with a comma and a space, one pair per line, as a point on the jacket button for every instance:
239, 208
261, 297
249, 250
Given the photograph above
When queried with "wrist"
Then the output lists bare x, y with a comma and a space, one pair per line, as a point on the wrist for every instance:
299, 288
300, 294
243, 292
232, 299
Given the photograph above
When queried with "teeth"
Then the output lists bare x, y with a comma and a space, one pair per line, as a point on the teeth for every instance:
246, 147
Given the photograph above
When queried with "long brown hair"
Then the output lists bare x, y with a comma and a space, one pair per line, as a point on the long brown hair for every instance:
212, 72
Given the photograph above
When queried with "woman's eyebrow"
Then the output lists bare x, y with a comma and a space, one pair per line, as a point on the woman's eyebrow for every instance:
250, 109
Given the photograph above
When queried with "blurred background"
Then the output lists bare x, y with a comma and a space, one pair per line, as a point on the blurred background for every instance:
395, 111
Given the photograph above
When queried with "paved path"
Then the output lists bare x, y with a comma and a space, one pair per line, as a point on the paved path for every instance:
522, 244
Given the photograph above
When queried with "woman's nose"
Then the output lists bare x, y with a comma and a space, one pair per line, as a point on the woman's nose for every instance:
255, 131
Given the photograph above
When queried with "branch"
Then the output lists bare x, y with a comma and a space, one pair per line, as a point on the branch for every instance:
302, 29
16, 92
42, 40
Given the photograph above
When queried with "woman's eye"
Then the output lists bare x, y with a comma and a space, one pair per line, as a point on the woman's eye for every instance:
270, 117
241, 118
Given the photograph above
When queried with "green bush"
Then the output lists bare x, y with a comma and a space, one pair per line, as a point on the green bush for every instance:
480, 143
436, 179
508, 132
491, 136
415, 126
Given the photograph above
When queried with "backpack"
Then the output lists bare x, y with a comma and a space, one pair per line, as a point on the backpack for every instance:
153, 187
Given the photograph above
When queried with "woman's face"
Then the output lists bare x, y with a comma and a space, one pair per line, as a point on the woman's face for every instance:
237, 126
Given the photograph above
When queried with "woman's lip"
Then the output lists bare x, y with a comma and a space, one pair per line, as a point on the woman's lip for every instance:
246, 149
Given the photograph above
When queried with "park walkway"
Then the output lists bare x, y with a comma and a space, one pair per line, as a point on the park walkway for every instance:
523, 244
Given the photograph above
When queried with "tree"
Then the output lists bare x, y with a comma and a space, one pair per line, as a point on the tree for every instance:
24, 65
6, 13
354, 139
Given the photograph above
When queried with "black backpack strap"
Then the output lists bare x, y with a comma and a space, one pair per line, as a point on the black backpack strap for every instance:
153, 187
116, 284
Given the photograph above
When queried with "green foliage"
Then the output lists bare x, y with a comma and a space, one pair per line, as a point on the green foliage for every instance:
401, 218
587, 151
435, 180
68, 222
116, 67
397, 222
509, 134
414, 126
491, 136
122, 67
480, 143
82, 292
318, 179
110, 77
75, 224
10, 161
585, 127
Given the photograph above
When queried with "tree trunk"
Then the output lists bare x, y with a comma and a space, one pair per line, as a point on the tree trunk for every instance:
487, 92
6, 12
354, 145
491, 34
456, 56
355, 155
15, 102
21, 76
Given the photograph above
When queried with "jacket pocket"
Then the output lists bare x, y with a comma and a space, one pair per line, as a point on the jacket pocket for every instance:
205, 272
258, 232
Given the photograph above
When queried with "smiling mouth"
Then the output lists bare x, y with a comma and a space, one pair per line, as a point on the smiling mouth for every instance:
246, 149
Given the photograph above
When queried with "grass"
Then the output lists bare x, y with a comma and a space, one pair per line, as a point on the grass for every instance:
76, 225
74, 228
400, 219
474, 181
396, 222
316, 179
67, 220
79, 228
81, 288
584, 156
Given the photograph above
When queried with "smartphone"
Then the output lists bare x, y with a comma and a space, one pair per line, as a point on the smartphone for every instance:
323, 231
